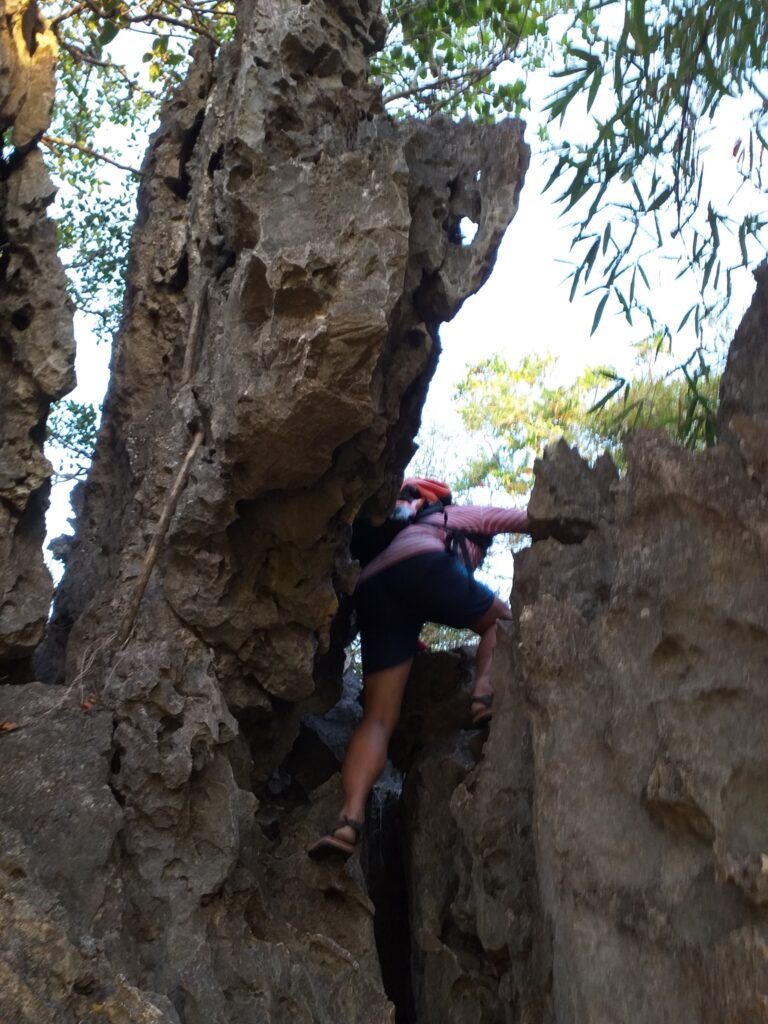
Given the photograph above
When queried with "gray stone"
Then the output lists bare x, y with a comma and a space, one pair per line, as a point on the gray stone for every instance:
295, 252
604, 856
744, 385
569, 497
36, 339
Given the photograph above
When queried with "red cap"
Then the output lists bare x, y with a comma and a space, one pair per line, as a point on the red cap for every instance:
431, 490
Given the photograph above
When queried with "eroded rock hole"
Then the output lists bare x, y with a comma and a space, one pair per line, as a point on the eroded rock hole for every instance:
22, 318
188, 144
239, 174
31, 25
39, 432
115, 767
467, 231
214, 164
178, 280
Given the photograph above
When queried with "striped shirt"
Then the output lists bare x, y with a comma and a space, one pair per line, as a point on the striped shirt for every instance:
429, 534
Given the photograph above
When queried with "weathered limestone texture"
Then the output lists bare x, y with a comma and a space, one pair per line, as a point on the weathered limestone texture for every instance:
744, 387
605, 861
36, 338
295, 253
640, 658
570, 498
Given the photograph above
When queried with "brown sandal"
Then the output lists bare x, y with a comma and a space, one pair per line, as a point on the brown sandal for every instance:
330, 846
482, 717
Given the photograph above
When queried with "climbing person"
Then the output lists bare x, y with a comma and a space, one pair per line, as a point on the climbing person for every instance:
424, 574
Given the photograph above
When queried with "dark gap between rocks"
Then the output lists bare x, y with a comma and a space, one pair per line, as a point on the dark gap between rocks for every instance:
384, 870
316, 755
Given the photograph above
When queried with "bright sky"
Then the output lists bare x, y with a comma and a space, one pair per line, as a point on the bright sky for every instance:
523, 308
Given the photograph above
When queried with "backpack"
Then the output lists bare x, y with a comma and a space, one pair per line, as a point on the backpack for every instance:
368, 540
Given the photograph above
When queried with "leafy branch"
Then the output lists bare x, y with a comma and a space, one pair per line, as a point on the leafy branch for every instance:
514, 411
54, 144
658, 83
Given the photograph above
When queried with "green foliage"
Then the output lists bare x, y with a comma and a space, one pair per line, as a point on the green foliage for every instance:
72, 428
648, 74
433, 635
652, 75
105, 106
441, 55
517, 410
446, 638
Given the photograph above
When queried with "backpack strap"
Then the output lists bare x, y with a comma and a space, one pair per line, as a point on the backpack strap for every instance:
456, 537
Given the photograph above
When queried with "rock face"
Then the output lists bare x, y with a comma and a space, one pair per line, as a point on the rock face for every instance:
606, 858
36, 339
744, 387
600, 855
295, 252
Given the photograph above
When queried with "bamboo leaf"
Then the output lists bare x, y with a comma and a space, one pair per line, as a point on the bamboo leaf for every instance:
599, 313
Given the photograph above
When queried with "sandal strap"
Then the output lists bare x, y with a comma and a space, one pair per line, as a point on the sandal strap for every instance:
486, 700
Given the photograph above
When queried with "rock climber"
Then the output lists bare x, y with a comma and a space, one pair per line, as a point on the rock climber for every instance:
417, 578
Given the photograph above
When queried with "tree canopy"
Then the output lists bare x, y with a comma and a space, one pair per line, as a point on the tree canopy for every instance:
515, 411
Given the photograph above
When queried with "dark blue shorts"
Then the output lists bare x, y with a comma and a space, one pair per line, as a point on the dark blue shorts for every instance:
393, 606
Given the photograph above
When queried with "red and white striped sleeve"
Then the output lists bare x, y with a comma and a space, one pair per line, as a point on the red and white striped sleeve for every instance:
487, 519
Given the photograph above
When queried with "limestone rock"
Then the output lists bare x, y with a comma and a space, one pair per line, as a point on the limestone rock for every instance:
468, 847
611, 866
744, 386
570, 498
36, 339
28, 52
59, 892
294, 255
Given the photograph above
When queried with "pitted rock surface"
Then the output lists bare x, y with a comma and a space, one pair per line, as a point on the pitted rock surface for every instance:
36, 338
294, 255
744, 387
605, 859
600, 854
570, 498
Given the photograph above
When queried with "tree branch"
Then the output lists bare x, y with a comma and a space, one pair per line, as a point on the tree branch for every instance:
167, 19
52, 142
457, 82
66, 15
157, 541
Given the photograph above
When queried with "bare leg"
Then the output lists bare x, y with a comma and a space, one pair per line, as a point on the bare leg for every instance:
486, 628
367, 752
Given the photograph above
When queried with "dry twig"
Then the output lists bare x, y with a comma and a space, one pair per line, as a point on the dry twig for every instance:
157, 541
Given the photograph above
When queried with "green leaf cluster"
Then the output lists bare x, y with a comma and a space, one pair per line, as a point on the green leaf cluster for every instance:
106, 103
72, 428
515, 411
652, 75
441, 56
